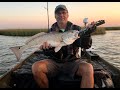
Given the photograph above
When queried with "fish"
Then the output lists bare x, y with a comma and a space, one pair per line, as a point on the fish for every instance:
55, 39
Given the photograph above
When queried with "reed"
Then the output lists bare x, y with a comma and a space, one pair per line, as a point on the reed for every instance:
99, 30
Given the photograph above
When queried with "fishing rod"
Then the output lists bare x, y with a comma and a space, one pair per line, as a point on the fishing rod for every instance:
48, 15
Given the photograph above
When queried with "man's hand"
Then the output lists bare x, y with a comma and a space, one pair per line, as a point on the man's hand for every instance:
45, 46
92, 26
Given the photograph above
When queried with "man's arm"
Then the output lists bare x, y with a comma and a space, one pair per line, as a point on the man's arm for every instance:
85, 40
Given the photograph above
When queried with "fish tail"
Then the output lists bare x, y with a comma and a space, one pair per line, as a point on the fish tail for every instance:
17, 51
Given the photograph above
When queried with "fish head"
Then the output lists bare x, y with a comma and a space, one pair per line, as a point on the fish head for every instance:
70, 36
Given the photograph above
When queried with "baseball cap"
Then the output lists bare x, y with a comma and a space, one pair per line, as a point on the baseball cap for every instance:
60, 7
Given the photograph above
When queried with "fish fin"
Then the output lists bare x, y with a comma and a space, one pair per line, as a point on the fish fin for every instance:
60, 46
17, 51
67, 42
64, 40
57, 48
34, 36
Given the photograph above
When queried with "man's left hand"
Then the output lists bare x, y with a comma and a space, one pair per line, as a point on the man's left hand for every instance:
91, 26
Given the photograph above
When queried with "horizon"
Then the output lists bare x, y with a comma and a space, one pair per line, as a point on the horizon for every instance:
29, 15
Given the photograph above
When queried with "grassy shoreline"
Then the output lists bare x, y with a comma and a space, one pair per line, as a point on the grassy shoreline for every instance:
21, 32
31, 32
112, 28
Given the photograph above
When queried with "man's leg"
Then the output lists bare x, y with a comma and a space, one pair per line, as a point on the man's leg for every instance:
86, 71
40, 71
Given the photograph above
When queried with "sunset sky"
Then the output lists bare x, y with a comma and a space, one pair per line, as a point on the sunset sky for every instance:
34, 14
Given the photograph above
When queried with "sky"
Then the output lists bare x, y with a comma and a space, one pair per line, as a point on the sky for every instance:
20, 15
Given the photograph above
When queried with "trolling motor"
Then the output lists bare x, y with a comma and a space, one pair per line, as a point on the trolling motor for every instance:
85, 33
88, 31
85, 41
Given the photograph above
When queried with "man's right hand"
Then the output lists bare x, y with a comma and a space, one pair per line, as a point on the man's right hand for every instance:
45, 46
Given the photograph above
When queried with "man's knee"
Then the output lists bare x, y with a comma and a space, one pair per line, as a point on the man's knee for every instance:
89, 68
85, 68
39, 67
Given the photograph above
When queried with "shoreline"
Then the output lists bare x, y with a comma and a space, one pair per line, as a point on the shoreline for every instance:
31, 32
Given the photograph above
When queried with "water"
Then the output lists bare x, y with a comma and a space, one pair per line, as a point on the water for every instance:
7, 58
107, 46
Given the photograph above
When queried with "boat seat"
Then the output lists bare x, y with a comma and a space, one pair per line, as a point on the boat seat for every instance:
65, 81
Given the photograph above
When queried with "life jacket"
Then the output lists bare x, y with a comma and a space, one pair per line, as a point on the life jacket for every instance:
69, 52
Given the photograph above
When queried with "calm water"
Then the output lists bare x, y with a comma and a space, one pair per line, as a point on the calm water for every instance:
107, 46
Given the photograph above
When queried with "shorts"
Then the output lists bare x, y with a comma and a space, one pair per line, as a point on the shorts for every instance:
67, 68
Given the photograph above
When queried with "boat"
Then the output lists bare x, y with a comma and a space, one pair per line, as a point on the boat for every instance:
106, 75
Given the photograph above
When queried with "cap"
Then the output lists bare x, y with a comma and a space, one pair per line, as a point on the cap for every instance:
60, 7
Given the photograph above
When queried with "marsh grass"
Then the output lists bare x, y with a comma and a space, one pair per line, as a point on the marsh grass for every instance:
99, 30
21, 32
31, 32
112, 28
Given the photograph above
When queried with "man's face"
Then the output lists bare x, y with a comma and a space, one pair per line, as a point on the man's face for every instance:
61, 16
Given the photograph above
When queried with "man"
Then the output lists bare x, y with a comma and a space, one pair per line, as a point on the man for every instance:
67, 58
